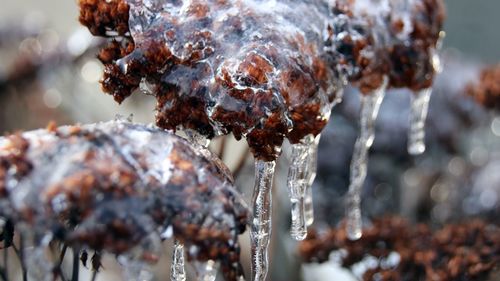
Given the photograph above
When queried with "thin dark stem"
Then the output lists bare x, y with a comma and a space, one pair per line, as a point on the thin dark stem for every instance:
94, 275
241, 163
61, 259
222, 148
3, 273
63, 253
76, 264
20, 254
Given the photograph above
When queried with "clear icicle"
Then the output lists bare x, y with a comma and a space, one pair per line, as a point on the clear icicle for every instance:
301, 174
370, 105
206, 271
177, 271
261, 224
309, 206
418, 114
311, 176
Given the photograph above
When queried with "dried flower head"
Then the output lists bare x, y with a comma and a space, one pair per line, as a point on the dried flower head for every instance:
109, 186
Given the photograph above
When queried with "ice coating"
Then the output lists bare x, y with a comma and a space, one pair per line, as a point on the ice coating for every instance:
267, 70
253, 68
370, 105
372, 39
264, 70
108, 186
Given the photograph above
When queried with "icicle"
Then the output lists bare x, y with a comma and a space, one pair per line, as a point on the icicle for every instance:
311, 176
370, 105
261, 224
301, 174
206, 271
177, 271
418, 114
309, 207
420, 107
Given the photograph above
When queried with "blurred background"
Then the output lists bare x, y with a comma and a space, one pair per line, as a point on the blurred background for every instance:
48, 72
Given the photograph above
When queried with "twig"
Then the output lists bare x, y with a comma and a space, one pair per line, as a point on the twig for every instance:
63, 253
20, 254
222, 148
3, 272
61, 259
76, 264
94, 275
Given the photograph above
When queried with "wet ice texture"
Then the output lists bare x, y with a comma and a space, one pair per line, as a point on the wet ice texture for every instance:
311, 176
418, 114
260, 233
177, 270
301, 176
264, 70
116, 186
370, 105
253, 68
420, 107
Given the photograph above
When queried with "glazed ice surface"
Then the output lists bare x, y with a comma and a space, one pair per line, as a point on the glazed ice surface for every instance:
118, 187
270, 70
264, 70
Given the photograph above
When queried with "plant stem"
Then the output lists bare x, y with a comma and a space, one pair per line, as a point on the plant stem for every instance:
76, 264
